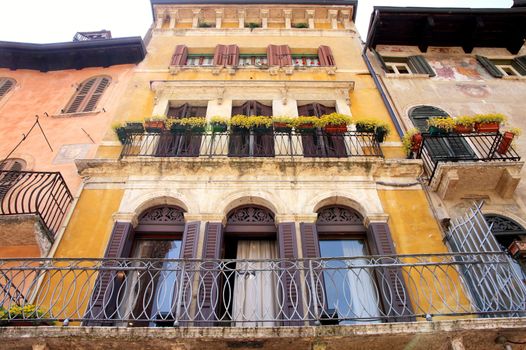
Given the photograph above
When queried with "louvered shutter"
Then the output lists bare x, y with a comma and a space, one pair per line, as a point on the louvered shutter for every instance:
419, 64
5, 86
95, 94
420, 115
519, 63
291, 293
489, 66
188, 253
180, 55
219, 55
381, 61
272, 55
103, 302
80, 96
285, 57
190, 240
209, 295
393, 291
325, 56
232, 58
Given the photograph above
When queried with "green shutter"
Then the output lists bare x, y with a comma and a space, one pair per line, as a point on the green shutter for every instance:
519, 63
419, 64
381, 60
489, 66
420, 115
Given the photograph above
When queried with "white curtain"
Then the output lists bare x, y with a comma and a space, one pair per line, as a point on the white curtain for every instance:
255, 296
361, 298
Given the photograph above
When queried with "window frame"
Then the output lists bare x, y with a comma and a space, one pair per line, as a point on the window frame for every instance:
83, 96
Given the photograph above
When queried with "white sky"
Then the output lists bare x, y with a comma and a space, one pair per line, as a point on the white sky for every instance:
44, 21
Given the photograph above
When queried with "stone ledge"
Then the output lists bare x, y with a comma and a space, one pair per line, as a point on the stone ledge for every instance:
476, 334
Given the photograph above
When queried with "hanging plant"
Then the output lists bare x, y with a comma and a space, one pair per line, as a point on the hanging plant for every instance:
379, 128
507, 139
301, 25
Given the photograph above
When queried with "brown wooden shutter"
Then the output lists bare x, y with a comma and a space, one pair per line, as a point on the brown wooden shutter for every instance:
291, 287
96, 93
232, 58
102, 305
5, 86
190, 240
188, 251
209, 295
219, 55
272, 55
325, 56
180, 55
394, 293
285, 57
80, 96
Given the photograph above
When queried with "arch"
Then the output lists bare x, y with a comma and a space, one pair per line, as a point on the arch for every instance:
250, 214
162, 214
504, 229
259, 198
420, 114
507, 215
338, 214
88, 95
13, 164
6, 85
137, 204
346, 199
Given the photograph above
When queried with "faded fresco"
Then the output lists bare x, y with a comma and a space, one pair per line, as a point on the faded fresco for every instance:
458, 69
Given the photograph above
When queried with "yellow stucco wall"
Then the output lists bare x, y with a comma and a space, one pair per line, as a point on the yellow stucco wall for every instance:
88, 231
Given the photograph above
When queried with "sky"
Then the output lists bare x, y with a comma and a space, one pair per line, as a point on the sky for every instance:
46, 21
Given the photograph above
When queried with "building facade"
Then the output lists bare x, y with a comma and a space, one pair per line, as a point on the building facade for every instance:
191, 234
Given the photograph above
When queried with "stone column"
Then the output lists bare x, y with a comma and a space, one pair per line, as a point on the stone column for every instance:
310, 16
195, 18
159, 21
346, 18
241, 18
288, 17
219, 18
333, 17
264, 18
173, 18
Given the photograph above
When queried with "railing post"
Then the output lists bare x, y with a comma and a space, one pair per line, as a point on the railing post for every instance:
314, 294
179, 296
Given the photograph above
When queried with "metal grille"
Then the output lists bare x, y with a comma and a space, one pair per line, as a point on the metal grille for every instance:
178, 292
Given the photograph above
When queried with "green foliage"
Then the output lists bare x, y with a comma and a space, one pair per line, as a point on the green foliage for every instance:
515, 131
191, 121
248, 122
444, 123
252, 25
465, 120
334, 119
219, 120
407, 140
28, 311
205, 25
490, 118
282, 119
302, 120
301, 25
373, 125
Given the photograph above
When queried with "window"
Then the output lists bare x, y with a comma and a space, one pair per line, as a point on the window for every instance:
10, 177
6, 84
255, 60
500, 68
88, 95
253, 143
200, 60
405, 65
186, 110
305, 60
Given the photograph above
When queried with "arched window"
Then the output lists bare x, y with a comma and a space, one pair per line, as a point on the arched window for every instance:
419, 116
505, 229
6, 84
9, 175
13, 164
88, 94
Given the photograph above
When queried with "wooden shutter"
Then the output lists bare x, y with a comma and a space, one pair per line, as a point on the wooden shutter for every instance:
95, 95
519, 63
180, 55
5, 86
325, 56
393, 291
103, 302
489, 66
285, 57
232, 58
291, 287
209, 295
79, 97
190, 240
272, 55
419, 64
219, 55
188, 252
420, 115
381, 61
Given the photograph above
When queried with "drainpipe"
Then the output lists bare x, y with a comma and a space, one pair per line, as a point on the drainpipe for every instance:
382, 93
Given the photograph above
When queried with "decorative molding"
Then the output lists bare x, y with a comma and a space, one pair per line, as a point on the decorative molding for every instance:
340, 215
162, 215
245, 215
503, 225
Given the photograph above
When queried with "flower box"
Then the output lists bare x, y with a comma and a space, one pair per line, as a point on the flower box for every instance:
380, 134
487, 127
436, 131
364, 128
416, 142
505, 142
219, 127
282, 127
306, 128
463, 129
335, 129
517, 249
154, 126
179, 128
134, 128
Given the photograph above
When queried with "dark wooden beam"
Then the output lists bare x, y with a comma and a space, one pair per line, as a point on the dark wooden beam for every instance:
427, 33
471, 33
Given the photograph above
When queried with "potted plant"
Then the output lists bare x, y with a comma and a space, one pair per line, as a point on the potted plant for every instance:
379, 128
440, 125
305, 123
282, 124
219, 124
412, 141
517, 249
464, 124
252, 25
134, 127
334, 123
195, 124
27, 315
489, 122
155, 124
253, 122
507, 139
120, 131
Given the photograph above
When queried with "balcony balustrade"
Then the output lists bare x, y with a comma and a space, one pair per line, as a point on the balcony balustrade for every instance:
252, 144
250, 293
44, 194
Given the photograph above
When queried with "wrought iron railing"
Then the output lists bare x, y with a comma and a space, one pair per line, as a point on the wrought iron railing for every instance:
463, 147
252, 293
252, 144
41, 193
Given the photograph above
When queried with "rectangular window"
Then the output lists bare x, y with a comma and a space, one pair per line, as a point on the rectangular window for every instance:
305, 60
406, 65
256, 60
200, 60
398, 68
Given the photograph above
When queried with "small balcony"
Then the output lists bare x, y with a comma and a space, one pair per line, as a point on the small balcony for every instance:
477, 162
32, 207
256, 293
312, 144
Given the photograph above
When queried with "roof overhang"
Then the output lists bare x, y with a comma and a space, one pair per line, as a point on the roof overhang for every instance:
467, 28
353, 3
71, 55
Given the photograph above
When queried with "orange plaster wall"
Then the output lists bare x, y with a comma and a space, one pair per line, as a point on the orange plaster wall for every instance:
37, 92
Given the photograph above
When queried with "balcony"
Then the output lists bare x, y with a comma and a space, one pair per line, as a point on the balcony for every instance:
252, 144
31, 199
254, 293
469, 162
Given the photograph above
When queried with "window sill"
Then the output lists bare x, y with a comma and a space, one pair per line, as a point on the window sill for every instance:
513, 77
406, 76
289, 70
74, 115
